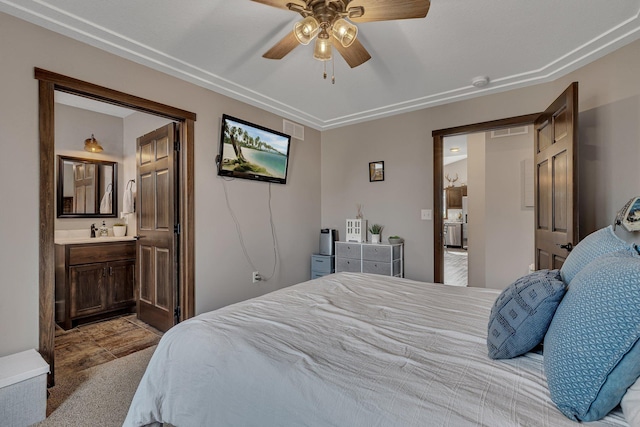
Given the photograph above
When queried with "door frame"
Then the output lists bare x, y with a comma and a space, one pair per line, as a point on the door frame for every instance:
438, 180
48, 83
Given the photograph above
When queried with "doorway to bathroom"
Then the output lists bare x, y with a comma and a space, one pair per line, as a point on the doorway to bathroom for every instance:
52, 83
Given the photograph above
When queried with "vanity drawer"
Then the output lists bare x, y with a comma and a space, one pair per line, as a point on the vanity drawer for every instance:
348, 250
103, 252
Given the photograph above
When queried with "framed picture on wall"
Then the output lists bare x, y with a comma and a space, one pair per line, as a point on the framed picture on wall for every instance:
376, 171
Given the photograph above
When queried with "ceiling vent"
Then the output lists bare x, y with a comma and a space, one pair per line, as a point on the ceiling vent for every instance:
295, 130
509, 132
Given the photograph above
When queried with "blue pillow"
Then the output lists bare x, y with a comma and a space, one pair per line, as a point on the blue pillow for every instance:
603, 241
521, 314
592, 348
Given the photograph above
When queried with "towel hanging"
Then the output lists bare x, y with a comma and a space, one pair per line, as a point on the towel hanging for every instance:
105, 203
127, 202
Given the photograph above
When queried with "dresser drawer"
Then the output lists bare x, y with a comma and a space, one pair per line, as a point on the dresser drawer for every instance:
348, 250
384, 268
315, 274
347, 264
322, 263
376, 253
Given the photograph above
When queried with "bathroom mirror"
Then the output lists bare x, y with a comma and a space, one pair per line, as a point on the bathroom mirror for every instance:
87, 188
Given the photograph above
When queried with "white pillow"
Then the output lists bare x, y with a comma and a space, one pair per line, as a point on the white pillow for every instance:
631, 404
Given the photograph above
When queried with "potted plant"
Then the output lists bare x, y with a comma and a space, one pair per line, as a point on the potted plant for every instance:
375, 231
119, 229
394, 240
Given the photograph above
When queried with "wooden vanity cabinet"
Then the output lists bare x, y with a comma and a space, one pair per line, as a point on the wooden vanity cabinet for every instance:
94, 281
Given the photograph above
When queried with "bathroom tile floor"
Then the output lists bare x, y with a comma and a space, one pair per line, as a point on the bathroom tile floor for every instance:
95, 343
92, 344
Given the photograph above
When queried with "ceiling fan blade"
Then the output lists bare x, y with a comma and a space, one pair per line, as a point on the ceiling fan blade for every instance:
388, 10
355, 54
280, 4
283, 47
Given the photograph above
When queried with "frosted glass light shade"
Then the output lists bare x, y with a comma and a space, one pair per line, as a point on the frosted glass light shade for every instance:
345, 32
306, 29
322, 51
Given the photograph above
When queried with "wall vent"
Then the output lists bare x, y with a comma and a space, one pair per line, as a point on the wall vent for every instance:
509, 132
295, 130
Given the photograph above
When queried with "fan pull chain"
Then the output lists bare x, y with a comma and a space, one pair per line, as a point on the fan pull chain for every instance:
333, 71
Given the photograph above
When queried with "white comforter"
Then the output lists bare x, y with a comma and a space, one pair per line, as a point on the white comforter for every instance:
345, 350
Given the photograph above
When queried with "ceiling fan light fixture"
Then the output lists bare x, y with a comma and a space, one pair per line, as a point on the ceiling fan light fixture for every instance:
306, 29
322, 51
91, 145
345, 32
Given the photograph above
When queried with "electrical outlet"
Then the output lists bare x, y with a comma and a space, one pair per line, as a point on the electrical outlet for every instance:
256, 277
425, 214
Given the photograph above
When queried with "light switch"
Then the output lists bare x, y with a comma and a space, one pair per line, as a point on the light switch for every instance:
425, 214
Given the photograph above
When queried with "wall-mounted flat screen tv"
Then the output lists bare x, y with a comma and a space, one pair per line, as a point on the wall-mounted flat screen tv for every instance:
252, 151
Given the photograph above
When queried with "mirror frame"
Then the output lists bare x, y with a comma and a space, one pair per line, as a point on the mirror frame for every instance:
60, 192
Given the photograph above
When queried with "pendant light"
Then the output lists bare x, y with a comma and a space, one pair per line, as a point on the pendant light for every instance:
91, 145
322, 51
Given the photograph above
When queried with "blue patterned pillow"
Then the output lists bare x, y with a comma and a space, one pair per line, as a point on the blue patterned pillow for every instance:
603, 241
592, 348
521, 314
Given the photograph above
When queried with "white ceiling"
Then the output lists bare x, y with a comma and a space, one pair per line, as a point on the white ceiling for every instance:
415, 63
455, 141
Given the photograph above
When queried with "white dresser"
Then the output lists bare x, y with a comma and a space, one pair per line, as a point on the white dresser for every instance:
377, 258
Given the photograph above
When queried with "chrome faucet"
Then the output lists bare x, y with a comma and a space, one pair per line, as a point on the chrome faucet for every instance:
93, 230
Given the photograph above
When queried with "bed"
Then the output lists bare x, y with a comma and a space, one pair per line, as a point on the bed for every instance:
346, 349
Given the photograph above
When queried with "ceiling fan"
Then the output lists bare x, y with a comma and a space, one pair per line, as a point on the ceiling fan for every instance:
329, 20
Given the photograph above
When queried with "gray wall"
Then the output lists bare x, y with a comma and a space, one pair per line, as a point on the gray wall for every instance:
72, 127
609, 108
609, 93
222, 274
509, 225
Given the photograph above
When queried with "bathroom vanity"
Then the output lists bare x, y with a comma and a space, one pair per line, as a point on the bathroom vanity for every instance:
95, 279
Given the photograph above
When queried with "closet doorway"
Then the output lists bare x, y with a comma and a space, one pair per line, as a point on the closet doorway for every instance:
49, 83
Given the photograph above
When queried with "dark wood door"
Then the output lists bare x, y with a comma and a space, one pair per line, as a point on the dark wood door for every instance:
87, 284
556, 192
157, 271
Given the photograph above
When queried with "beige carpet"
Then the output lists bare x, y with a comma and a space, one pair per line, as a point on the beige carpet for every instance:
100, 395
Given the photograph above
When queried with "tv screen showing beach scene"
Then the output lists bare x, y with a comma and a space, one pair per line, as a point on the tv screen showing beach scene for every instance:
251, 151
